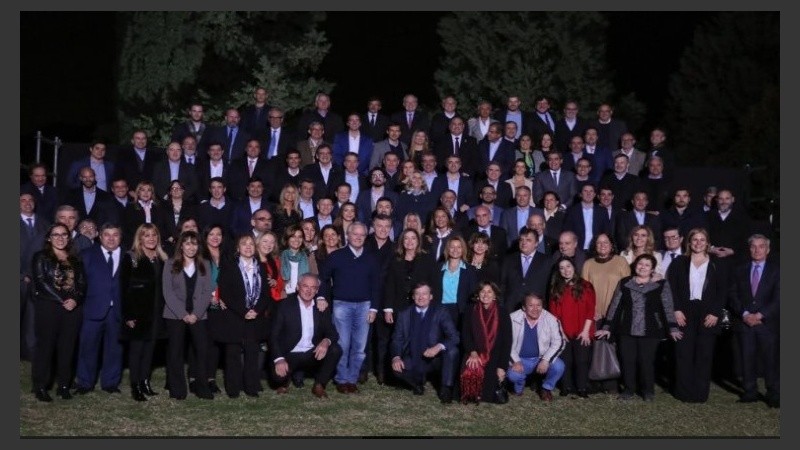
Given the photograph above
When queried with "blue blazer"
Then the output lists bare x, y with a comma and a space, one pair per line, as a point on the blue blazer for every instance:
464, 194
504, 155
341, 145
102, 287
442, 331
509, 221
573, 221
364, 203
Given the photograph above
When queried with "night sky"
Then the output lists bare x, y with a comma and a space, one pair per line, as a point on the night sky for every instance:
68, 63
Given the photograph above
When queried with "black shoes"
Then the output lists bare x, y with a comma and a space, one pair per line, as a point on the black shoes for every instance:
42, 395
81, 390
212, 386
565, 392
63, 392
582, 393
773, 401
446, 394
748, 398
193, 386
137, 394
418, 389
112, 390
363, 377
145, 387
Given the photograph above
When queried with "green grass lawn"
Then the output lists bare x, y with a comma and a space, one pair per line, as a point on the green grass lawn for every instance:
385, 411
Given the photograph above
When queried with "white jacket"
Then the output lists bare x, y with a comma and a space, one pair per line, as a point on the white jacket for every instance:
549, 333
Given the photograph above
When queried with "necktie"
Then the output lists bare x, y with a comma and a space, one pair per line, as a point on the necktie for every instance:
456, 147
230, 143
549, 121
421, 315
372, 119
110, 262
672, 256
30, 226
555, 177
273, 144
250, 165
755, 278
410, 119
526, 262
191, 160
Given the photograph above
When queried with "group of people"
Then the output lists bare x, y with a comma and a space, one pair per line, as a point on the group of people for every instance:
401, 246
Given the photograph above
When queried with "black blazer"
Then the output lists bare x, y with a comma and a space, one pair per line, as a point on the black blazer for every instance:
626, 222
573, 221
467, 285
378, 131
767, 298
220, 134
442, 331
467, 151
133, 216
420, 122
127, 166
515, 286
239, 176
398, 285
142, 297
286, 327
498, 238
232, 291
321, 188
714, 291
187, 175
102, 210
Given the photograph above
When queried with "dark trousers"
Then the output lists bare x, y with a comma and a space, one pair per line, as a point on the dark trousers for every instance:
211, 362
445, 364
27, 322
384, 331
638, 355
242, 374
759, 342
577, 359
305, 361
56, 332
140, 359
694, 359
176, 335
95, 334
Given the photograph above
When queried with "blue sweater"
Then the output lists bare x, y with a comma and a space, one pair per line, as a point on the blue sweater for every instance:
345, 277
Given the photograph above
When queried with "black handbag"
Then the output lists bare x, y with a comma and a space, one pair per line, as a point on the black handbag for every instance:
501, 393
605, 365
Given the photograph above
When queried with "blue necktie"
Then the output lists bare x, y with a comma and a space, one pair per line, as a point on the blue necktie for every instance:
273, 143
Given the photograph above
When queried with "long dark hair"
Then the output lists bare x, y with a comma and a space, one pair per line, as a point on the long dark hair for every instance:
177, 260
48, 245
559, 285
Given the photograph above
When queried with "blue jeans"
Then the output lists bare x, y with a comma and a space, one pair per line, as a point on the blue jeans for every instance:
350, 320
552, 376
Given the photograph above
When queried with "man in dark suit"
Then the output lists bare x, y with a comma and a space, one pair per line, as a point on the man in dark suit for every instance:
90, 201
602, 161
194, 126
353, 141
136, 164
102, 314
233, 137
755, 307
526, 271
584, 224
609, 129
254, 116
45, 196
547, 245
658, 138
622, 182
569, 126
32, 230
493, 148
331, 122
454, 180
218, 209
610, 217
278, 138
542, 119
425, 341
324, 173
411, 119
555, 179
288, 171
486, 196
638, 215
174, 167
103, 168
373, 123
682, 215
440, 121
516, 217
728, 228
513, 113
460, 144
303, 338
497, 235
241, 217
251, 165
213, 166
367, 199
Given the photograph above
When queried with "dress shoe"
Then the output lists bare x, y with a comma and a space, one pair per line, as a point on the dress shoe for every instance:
380, 379
212, 386
418, 389
582, 393
82, 390
565, 392
63, 392
193, 386
774, 401
319, 391
298, 382
546, 395
281, 390
232, 394
253, 394
446, 395
748, 398
137, 394
352, 388
519, 394
363, 377
42, 395
112, 390
343, 388
146, 388
178, 396
205, 394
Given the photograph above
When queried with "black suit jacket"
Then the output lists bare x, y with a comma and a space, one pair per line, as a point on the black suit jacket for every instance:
504, 196
440, 126
332, 122
376, 132
467, 150
203, 171
398, 284
46, 202
564, 135
442, 331
498, 238
767, 298
465, 190
421, 122
286, 139
187, 175
623, 189
186, 128
254, 120
573, 221
504, 155
527, 121
714, 292
321, 188
127, 165
239, 176
540, 127
287, 328
220, 134
626, 222
102, 210
515, 286
30, 244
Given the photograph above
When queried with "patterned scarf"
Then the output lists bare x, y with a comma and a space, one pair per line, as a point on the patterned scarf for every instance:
252, 288
288, 256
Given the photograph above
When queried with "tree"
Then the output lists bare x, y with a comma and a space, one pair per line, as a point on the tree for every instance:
724, 100
169, 59
562, 55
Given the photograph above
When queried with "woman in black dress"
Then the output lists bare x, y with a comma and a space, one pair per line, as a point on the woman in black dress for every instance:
142, 305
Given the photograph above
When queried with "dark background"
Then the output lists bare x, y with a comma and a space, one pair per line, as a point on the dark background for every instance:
68, 62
